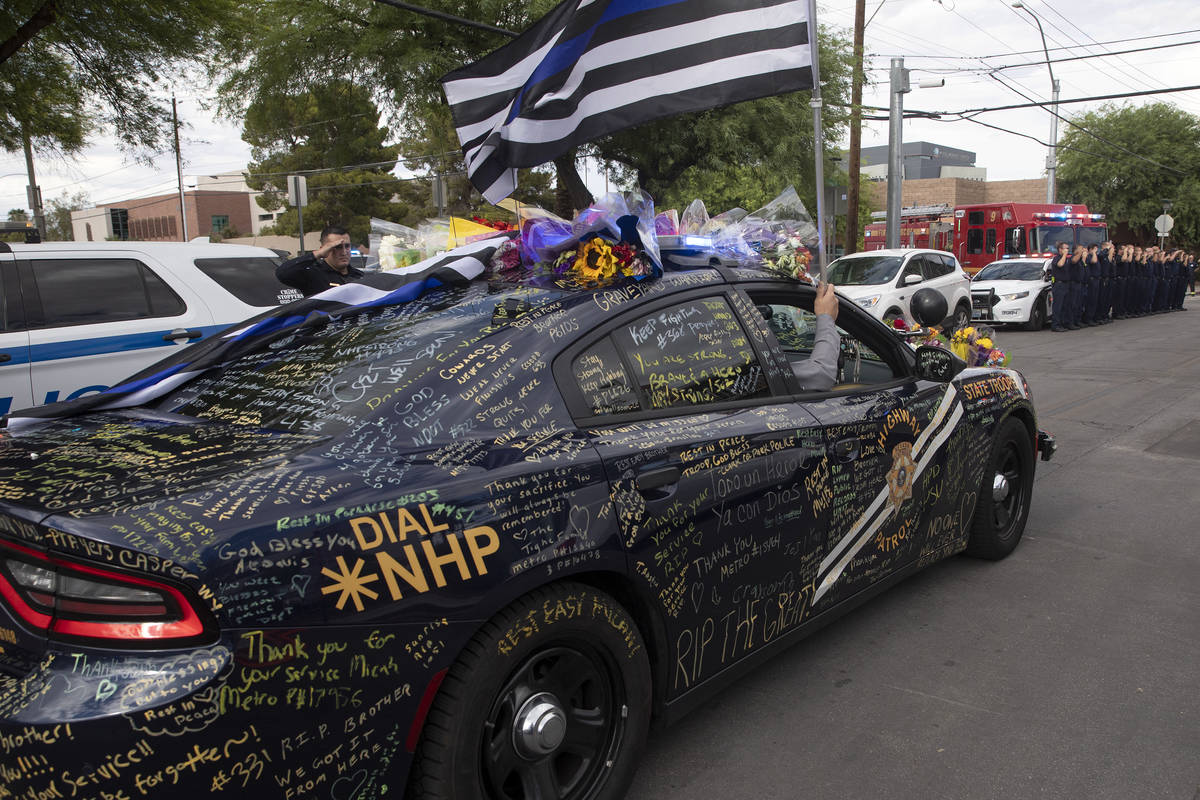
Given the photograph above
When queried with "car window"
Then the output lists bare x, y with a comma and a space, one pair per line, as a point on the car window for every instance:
11, 315
794, 325
863, 270
913, 267
90, 290
991, 240
692, 354
949, 264
975, 241
251, 279
604, 381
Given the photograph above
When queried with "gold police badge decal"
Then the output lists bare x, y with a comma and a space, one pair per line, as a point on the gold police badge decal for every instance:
900, 430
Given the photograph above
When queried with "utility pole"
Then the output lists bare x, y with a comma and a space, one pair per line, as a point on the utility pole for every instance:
1052, 158
855, 155
179, 172
895, 181
33, 191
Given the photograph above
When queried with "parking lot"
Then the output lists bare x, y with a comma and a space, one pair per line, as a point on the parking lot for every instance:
1068, 670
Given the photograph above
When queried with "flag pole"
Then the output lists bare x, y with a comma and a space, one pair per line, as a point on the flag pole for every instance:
818, 137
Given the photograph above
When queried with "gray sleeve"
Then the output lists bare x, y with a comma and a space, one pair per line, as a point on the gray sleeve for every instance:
818, 372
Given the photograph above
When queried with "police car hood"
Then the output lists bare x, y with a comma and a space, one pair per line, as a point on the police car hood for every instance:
1006, 287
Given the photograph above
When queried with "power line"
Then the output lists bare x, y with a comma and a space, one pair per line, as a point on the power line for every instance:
1011, 106
1097, 136
1035, 52
987, 69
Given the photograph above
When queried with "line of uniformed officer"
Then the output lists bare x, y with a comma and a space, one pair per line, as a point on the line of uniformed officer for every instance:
1097, 284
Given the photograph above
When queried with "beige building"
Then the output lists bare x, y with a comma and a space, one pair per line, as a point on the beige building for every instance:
213, 204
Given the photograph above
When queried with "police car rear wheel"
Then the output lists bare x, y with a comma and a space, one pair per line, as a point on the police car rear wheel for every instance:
1002, 508
550, 699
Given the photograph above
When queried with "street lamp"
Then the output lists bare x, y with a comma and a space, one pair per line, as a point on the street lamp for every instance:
1052, 159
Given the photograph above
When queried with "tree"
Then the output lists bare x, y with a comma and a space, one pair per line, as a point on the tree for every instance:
58, 216
754, 148
67, 65
1133, 159
331, 135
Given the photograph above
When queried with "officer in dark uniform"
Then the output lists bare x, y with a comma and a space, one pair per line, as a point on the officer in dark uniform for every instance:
1060, 274
1107, 274
1091, 287
1160, 281
1140, 281
328, 265
1180, 261
1120, 276
1077, 283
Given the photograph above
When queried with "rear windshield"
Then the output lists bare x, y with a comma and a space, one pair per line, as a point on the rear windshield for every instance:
863, 271
1011, 271
250, 279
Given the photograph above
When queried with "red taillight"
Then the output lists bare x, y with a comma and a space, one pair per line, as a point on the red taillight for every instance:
67, 599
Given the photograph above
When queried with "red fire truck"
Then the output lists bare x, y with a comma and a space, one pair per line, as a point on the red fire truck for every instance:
983, 233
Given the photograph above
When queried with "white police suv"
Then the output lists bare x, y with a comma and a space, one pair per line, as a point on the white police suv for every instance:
78, 317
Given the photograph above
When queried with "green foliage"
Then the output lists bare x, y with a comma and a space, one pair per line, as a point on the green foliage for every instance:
95, 62
1128, 189
39, 96
331, 135
738, 155
58, 216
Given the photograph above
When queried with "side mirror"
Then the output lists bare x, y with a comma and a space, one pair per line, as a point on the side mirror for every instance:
929, 307
1046, 276
910, 279
938, 364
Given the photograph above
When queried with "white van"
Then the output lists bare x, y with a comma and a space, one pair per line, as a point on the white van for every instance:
78, 317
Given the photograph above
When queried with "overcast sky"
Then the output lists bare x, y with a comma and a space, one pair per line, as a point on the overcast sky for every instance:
937, 39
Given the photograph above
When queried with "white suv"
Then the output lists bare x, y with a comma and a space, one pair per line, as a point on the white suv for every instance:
884, 281
78, 317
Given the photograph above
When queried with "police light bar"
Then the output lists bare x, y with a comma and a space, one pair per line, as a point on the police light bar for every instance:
1065, 215
695, 241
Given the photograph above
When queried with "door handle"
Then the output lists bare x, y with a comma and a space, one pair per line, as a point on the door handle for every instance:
5, 357
656, 479
182, 333
846, 449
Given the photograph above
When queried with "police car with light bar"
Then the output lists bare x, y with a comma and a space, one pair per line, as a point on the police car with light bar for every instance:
77, 317
1013, 291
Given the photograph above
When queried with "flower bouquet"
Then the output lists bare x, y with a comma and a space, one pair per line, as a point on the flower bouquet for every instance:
611, 240
977, 347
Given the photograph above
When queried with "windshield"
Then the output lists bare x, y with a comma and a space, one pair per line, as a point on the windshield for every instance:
1047, 237
1011, 271
1090, 236
863, 270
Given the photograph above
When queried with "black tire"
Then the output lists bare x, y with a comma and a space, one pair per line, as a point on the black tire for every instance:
565, 664
1037, 315
962, 316
1003, 506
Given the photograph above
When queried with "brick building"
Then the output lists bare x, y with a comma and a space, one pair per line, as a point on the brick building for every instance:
213, 203
961, 191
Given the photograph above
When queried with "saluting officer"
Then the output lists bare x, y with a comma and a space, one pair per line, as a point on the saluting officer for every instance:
1060, 289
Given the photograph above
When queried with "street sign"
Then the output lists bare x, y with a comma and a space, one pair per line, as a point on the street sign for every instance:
1163, 224
297, 191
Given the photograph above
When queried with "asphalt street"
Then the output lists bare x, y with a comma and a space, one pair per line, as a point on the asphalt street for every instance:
1069, 670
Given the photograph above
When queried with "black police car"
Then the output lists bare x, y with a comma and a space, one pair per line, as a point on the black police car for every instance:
468, 540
